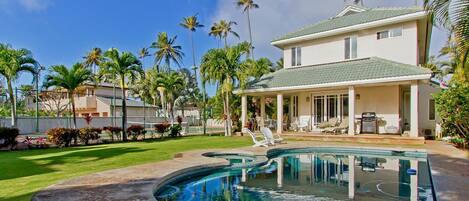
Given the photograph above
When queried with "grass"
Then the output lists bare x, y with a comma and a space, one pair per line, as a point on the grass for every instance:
22, 173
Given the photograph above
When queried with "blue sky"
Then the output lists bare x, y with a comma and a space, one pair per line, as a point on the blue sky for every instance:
63, 31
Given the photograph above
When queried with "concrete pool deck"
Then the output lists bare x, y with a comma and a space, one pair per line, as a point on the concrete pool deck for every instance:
450, 171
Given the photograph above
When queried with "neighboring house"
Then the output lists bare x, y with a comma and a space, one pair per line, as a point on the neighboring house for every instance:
96, 101
362, 60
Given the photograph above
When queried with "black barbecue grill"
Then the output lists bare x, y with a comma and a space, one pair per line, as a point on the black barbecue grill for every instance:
369, 123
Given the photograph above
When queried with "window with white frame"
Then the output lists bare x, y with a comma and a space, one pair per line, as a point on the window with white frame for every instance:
389, 33
296, 56
431, 109
350, 47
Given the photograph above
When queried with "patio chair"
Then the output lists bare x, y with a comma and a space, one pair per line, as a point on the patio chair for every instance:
257, 143
304, 124
338, 129
270, 137
328, 126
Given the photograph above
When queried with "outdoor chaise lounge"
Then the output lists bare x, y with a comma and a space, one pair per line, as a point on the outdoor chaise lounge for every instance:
257, 143
337, 129
270, 137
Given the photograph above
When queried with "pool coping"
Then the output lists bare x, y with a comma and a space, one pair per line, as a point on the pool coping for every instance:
140, 182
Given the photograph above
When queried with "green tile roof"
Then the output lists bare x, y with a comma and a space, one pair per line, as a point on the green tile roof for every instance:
369, 15
351, 70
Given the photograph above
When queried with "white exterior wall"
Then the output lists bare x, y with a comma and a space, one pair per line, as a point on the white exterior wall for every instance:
425, 94
384, 100
403, 49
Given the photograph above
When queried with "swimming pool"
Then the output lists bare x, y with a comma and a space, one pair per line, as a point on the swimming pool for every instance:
310, 174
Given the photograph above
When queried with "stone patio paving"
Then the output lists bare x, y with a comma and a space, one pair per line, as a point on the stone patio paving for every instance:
450, 171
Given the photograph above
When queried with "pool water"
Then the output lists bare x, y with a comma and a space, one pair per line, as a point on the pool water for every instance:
310, 175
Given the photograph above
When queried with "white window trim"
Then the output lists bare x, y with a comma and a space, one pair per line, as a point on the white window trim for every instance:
296, 56
351, 47
390, 32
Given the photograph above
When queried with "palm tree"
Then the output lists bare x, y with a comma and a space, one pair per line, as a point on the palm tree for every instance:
166, 50
191, 24
12, 63
170, 83
126, 67
93, 58
223, 29
452, 15
247, 5
222, 66
141, 55
70, 80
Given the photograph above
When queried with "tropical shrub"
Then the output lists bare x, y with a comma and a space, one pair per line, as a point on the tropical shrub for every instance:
112, 131
8, 137
453, 107
62, 136
134, 131
87, 134
161, 128
175, 130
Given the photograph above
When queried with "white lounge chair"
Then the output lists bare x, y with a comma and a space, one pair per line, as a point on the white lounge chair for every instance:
257, 143
304, 124
270, 137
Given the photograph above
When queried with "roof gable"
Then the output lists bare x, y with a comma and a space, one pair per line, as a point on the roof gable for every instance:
351, 9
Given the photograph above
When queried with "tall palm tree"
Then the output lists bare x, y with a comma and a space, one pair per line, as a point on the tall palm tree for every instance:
222, 66
452, 15
191, 24
70, 80
170, 83
93, 59
166, 50
12, 63
223, 29
126, 67
141, 55
247, 5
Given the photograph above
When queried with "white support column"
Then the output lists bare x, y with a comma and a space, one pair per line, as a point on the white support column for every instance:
244, 108
351, 110
414, 181
351, 176
279, 113
414, 111
280, 172
262, 111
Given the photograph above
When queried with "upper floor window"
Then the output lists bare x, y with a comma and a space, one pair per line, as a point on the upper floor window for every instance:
351, 47
389, 33
431, 109
296, 56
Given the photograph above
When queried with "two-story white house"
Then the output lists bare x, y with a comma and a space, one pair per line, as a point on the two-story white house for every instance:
362, 60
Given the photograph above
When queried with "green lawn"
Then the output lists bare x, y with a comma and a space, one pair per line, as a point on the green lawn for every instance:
24, 172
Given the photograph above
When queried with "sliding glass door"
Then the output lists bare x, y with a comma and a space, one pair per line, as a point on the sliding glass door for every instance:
328, 106
318, 109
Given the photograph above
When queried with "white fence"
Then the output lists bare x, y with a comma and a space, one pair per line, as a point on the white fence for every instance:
27, 125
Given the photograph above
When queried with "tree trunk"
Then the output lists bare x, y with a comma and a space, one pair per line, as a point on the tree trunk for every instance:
72, 101
124, 110
250, 35
228, 113
13, 103
225, 113
163, 104
226, 43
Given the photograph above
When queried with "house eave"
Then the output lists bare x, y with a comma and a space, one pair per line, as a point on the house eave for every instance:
383, 22
338, 84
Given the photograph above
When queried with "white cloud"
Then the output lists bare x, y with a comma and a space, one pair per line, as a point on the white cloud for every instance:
8, 6
35, 5
277, 17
